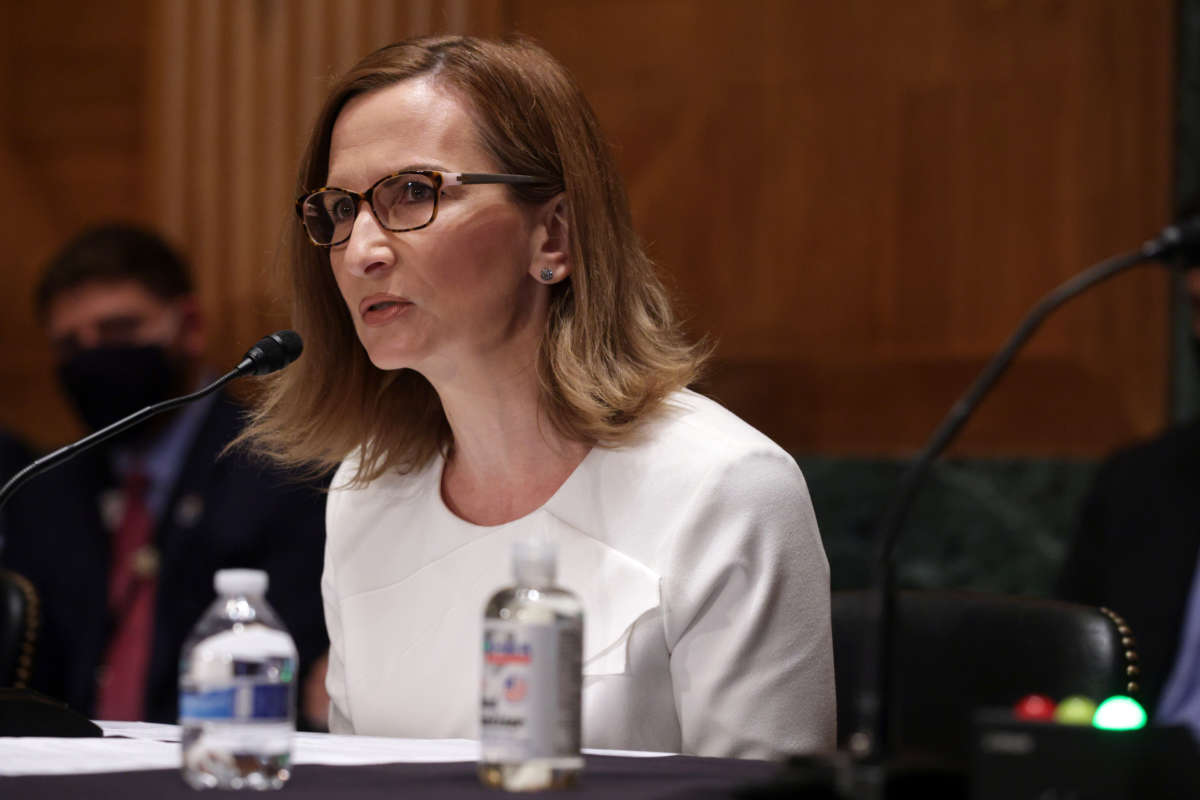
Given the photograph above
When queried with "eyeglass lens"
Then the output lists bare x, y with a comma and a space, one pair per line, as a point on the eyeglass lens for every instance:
401, 202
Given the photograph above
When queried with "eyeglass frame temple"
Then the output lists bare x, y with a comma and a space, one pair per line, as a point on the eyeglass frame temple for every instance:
468, 178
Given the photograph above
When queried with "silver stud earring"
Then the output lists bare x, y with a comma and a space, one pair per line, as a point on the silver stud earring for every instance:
547, 274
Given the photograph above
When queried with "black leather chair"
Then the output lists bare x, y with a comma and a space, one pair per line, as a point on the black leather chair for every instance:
958, 651
18, 628
24, 712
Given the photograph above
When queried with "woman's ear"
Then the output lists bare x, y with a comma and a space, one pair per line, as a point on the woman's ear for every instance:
551, 260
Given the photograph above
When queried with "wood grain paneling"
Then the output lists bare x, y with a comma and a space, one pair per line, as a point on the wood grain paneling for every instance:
240, 84
72, 84
859, 200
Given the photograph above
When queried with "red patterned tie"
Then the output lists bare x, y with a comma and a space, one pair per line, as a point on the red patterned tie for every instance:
131, 585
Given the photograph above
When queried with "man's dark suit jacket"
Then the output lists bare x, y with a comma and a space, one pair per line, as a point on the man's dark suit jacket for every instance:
224, 511
1136, 547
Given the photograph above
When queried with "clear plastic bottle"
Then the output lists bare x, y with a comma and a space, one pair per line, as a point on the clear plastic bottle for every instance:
237, 691
532, 678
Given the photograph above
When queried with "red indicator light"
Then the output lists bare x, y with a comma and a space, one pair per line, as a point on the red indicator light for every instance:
1034, 707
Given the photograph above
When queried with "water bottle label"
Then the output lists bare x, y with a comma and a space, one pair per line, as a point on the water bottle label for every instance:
247, 702
531, 691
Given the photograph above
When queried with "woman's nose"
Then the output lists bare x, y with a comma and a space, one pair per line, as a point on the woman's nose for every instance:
369, 250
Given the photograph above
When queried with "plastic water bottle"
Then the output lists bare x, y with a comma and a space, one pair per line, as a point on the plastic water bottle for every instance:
237, 690
532, 674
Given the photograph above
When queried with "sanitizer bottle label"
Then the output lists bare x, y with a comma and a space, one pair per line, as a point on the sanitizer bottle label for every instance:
531, 676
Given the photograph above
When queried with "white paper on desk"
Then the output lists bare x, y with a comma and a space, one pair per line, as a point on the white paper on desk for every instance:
29, 755
141, 730
325, 748
631, 753
38, 755
131, 746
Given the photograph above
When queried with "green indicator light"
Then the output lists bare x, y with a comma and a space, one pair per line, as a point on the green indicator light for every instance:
1120, 713
1075, 710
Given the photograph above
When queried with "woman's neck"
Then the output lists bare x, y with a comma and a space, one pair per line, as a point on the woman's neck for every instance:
507, 458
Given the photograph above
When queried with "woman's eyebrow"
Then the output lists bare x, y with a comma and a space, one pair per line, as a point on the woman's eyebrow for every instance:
424, 166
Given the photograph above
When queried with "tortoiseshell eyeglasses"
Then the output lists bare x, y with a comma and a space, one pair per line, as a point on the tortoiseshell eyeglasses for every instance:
403, 201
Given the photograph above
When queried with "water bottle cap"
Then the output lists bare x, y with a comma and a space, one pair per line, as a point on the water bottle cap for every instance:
535, 561
240, 581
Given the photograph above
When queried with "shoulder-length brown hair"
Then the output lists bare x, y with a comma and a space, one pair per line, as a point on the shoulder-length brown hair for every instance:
612, 350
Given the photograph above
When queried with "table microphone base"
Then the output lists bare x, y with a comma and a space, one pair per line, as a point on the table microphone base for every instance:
26, 713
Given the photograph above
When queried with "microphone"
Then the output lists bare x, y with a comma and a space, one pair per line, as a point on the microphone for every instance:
1179, 243
269, 354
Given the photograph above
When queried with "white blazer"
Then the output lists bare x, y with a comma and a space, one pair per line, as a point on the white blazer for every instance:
694, 551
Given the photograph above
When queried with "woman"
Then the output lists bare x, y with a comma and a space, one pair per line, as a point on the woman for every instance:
491, 355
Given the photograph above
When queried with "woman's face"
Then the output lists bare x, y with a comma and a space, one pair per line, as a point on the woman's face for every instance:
458, 295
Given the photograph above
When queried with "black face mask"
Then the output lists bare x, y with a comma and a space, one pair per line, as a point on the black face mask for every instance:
108, 383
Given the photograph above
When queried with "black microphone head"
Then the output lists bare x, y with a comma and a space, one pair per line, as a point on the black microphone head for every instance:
1178, 243
272, 353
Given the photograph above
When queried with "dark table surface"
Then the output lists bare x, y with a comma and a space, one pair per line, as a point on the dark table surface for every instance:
622, 777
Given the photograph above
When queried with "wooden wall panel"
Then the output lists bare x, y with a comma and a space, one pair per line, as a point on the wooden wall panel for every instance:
72, 153
239, 85
859, 200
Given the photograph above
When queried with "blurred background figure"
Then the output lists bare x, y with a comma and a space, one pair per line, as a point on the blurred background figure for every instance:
1136, 550
122, 542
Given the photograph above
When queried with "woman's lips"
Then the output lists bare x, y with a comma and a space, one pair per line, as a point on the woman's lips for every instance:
379, 310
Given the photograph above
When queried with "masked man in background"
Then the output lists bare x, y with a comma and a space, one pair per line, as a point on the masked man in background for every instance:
122, 542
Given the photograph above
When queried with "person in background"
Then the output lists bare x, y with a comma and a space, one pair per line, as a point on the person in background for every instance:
1136, 551
491, 358
122, 542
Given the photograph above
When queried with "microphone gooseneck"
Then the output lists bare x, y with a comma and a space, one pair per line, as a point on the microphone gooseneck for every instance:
269, 354
1178, 243
869, 744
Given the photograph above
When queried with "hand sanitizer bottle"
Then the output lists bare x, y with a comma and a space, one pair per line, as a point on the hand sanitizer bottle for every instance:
532, 675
